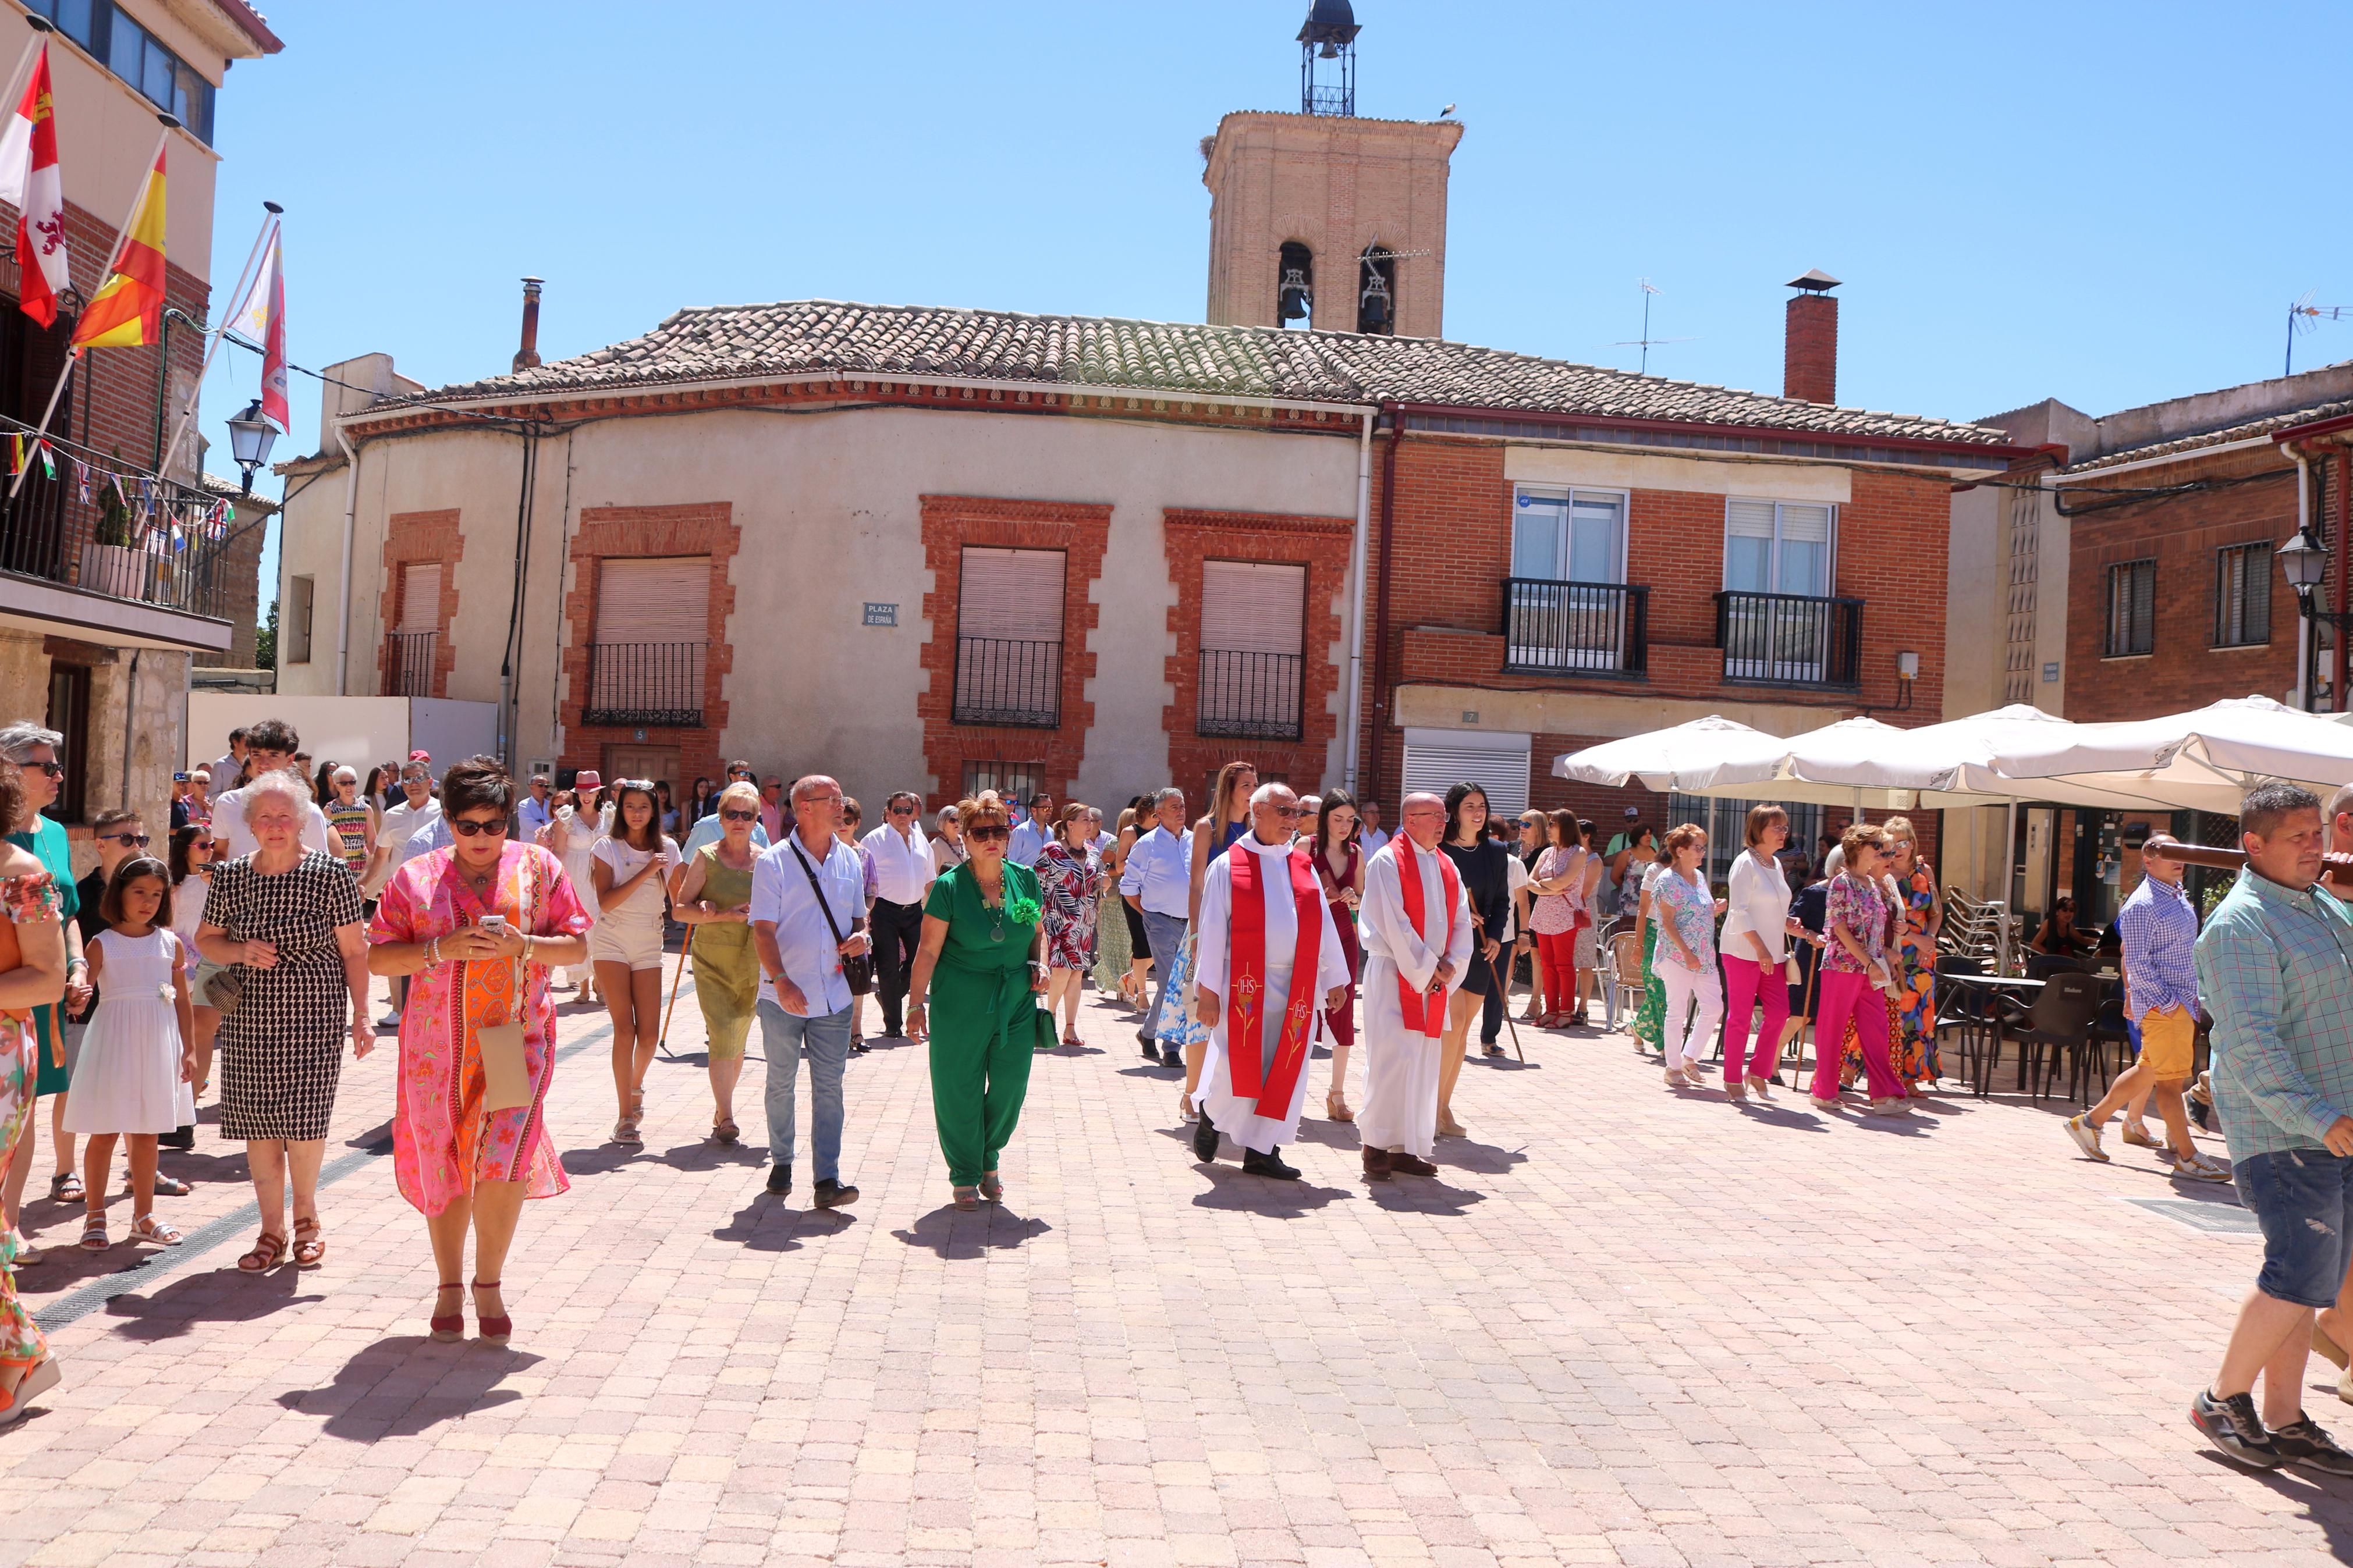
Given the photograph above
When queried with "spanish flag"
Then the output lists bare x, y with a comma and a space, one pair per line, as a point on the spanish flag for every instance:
128, 310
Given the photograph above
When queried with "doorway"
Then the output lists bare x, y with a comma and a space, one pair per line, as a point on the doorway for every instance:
656, 763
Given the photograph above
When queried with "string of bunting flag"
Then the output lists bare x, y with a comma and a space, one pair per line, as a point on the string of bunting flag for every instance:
163, 515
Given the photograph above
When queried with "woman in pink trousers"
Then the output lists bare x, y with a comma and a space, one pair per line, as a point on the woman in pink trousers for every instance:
1756, 927
1854, 974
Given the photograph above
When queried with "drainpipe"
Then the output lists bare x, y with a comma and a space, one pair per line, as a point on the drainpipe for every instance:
1356, 605
2336, 536
129, 723
351, 526
1382, 697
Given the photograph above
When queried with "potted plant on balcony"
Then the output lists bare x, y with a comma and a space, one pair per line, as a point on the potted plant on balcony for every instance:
109, 564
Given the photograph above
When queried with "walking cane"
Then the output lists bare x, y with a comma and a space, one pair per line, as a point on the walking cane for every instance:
1504, 979
662, 1045
1797, 1063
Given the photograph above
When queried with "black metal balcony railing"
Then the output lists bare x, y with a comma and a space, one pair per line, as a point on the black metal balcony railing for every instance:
408, 663
1249, 695
1583, 628
47, 533
1790, 639
1003, 681
646, 684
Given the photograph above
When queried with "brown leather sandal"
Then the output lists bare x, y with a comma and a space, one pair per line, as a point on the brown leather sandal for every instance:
268, 1251
310, 1246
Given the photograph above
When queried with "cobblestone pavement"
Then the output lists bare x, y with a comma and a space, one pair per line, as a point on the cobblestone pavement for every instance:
1623, 1325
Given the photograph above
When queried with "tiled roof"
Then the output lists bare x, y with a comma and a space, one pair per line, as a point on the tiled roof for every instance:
801, 336
2246, 430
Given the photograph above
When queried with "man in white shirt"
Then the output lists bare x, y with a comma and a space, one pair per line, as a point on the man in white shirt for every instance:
1370, 839
230, 765
1254, 1077
1158, 885
271, 745
805, 1003
534, 812
903, 876
417, 812
1414, 926
1031, 836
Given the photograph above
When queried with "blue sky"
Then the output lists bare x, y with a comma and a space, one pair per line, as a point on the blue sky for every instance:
2107, 205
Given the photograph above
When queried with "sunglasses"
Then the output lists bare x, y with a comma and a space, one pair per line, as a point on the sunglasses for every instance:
739, 817
466, 827
136, 840
989, 833
55, 769
1286, 812
903, 811
644, 784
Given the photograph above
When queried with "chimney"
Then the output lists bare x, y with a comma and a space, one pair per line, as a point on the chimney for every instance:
1809, 359
527, 354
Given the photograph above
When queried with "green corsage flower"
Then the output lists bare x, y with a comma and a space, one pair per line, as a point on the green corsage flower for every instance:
1022, 911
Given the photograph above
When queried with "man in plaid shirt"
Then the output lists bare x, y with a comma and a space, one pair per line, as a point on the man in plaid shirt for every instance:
2159, 932
2276, 967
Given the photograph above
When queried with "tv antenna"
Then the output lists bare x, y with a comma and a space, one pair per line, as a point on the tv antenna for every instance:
2304, 317
1646, 342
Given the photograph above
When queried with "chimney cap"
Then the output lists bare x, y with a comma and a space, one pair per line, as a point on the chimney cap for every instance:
1814, 281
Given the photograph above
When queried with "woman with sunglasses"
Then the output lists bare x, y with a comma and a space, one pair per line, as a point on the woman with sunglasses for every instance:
191, 860
476, 927
352, 822
629, 868
714, 897
985, 941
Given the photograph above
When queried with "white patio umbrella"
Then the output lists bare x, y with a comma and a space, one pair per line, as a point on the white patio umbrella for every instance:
1689, 757
2202, 759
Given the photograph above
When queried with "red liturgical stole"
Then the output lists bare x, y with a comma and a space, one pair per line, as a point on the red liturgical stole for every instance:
1425, 1012
1246, 989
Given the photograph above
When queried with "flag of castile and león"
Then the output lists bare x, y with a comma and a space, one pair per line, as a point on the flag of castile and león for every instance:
128, 308
29, 183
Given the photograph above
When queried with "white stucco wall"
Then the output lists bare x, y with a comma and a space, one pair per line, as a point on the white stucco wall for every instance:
830, 509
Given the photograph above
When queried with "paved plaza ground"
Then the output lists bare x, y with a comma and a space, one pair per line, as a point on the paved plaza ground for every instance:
1623, 1326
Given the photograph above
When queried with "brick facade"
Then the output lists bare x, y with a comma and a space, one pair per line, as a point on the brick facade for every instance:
951, 522
623, 533
2181, 534
421, 539
1320, 544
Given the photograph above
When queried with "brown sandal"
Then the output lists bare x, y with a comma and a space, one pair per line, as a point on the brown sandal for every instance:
966, 1199
310, 1247
1336, 1108
270, 1250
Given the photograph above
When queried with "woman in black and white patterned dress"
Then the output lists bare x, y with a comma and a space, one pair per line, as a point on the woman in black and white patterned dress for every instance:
287, 921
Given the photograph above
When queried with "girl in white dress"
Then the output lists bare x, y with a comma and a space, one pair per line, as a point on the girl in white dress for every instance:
137, 1065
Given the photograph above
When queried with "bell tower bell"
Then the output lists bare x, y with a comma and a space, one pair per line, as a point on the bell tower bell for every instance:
1323, 219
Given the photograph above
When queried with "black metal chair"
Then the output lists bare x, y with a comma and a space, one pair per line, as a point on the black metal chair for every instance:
2058, 1026
2107, 1028
1965, 1008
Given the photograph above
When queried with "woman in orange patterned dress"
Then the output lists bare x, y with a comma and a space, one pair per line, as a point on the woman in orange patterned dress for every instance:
32, 973
462, 1165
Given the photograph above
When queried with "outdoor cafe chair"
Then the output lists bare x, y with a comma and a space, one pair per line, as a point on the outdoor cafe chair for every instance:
2058, 1026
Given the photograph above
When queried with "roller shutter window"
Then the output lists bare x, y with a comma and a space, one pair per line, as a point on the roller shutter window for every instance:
1503, 775
1009, 637
1253, 643
653, 619
420, 597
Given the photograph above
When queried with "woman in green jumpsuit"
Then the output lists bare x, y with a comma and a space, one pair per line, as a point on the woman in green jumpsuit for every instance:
983, 948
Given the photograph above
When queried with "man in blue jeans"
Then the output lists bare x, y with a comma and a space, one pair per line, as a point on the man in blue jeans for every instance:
1158, 885
808, 900
2276, 967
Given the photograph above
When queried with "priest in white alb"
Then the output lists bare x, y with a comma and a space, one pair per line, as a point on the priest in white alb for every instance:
1266, 963
1414, 926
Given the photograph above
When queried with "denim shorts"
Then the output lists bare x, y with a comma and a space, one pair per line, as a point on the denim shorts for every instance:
2303, 1200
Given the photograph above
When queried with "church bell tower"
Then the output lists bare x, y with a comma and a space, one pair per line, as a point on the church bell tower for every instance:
1323, 219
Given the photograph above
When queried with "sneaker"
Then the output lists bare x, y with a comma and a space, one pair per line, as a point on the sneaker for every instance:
2087, 1139
2194, 1167
2302, 1443
2232, 1425
2138, 1135
831, 1194
780, 1180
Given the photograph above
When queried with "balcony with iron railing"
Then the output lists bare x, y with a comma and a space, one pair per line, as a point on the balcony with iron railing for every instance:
124, 551
408, 663
1249, 695
1790, 639
646, 685
1009, 682
1575, 628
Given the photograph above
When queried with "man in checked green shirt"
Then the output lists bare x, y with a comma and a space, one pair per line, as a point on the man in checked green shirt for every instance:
2275, 968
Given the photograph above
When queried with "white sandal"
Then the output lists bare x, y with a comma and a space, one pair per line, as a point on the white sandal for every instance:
162, 1233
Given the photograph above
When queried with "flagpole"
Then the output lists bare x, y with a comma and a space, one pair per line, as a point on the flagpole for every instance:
122, 238
245, 280
42, 27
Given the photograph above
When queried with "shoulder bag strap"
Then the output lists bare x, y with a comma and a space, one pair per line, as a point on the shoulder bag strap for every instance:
824, 908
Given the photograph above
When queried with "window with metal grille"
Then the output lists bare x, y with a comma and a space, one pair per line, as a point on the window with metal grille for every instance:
1013, 781
1009, 637
2242, 595
2132, 609
647, 657
1253, 641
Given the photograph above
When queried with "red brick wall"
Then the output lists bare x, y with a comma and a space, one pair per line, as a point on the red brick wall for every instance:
621, 533
951, 522
1319, 543
419, 537
2181, 534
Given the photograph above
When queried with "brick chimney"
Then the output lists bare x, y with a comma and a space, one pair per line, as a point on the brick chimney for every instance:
1810, 357
527, 354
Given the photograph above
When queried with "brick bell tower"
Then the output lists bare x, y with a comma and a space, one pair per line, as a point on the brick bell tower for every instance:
1322, 219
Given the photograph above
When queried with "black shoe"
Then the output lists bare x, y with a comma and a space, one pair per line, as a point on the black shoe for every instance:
1151, 1046
184, 1138
857, 1048
1151, 1052
2232, 1425
780, 1180
833, 1195
1269, 1165
2302, 1442
1174, 1060
1205, 1140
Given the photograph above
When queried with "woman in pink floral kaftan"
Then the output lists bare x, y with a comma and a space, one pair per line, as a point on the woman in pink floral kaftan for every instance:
462, 1165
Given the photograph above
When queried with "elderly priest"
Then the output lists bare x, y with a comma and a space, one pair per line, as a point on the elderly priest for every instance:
1415, 928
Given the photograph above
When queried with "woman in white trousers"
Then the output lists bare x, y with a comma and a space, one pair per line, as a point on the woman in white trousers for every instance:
1686, 917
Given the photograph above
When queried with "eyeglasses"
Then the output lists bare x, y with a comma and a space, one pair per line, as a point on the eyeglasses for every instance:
1286, 812
54, 769
466, 827
739, 817
136, 840
989, 833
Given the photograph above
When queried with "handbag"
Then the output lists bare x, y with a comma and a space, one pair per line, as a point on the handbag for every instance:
224, 989
506, 1074
857, 972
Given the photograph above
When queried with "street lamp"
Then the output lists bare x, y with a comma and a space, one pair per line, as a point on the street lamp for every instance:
2304, 563
250, 436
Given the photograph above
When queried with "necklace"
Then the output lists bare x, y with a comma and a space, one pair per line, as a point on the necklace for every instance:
995, 911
